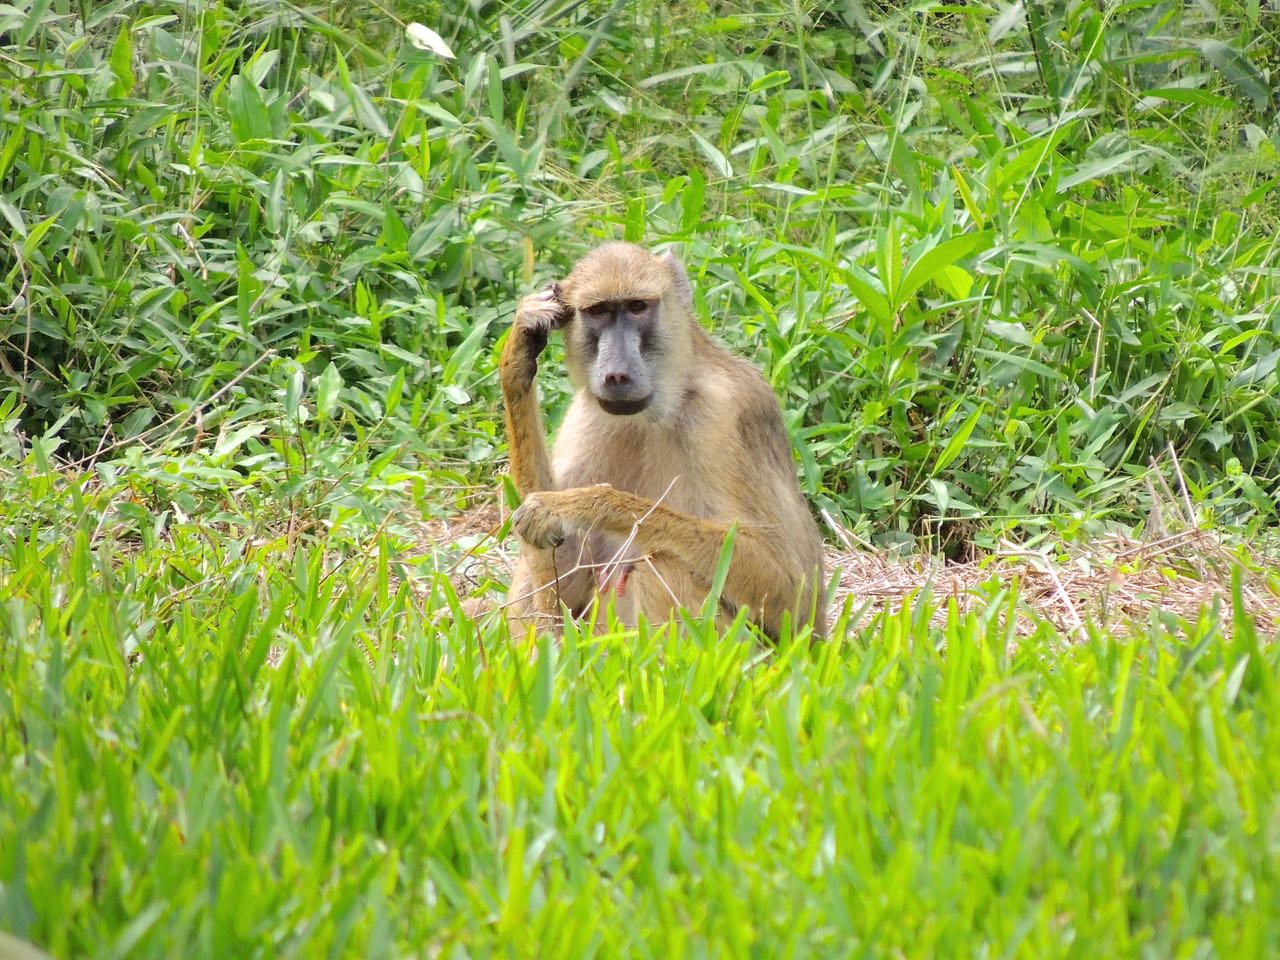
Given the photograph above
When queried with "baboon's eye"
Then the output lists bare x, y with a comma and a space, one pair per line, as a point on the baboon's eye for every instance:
636, 306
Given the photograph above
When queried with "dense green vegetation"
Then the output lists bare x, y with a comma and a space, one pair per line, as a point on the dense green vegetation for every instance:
1014, 271
996, 264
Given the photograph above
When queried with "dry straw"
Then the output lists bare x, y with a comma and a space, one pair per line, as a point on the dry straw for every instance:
1115, 581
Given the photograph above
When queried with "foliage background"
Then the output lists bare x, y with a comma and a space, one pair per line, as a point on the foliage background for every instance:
1012, 270
997, 260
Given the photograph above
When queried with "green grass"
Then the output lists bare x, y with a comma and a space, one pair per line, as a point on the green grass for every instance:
238, 748
1013, 271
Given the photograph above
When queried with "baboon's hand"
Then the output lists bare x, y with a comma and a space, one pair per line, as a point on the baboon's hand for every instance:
537, 524
536, 316
539, 313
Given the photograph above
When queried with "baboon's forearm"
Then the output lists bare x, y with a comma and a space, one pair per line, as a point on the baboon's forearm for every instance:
527, 446
526, 439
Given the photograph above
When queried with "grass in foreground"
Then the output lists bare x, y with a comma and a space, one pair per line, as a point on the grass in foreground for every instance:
216, 746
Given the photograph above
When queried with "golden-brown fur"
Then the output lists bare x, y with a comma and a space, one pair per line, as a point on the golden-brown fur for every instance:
646, 500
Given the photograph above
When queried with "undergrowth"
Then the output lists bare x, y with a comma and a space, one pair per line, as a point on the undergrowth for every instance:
1002, 264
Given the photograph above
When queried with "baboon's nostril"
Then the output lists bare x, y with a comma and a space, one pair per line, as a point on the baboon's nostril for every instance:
617, 379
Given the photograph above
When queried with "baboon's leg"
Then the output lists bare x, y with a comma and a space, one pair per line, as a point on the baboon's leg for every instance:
533, 602
760, 575
658, 586
530, 603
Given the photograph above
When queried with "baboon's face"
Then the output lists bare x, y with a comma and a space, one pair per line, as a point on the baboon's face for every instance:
616, 344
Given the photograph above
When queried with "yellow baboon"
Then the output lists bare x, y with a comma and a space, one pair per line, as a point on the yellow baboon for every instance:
669, 443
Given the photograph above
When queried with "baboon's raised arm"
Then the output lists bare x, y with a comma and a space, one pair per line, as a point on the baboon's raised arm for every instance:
536, 316
538, 588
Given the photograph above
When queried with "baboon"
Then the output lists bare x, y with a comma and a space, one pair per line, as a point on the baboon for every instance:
669, 443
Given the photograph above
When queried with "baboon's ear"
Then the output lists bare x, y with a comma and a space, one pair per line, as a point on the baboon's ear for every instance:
680, 287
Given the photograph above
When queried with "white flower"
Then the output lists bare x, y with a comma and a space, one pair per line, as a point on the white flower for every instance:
424, 38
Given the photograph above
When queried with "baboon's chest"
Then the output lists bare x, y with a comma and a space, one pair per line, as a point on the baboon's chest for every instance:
671, 464
655, 468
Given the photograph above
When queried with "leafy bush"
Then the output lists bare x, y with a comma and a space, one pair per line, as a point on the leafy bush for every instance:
997, 260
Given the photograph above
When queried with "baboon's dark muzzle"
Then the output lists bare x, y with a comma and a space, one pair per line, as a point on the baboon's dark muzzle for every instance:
623, 408
621, 380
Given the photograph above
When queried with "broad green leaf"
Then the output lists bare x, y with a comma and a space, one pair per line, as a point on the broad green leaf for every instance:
941, 495
936, 259
33, 239
366, 111
460, 360
395, 236
721, 573
497, 110
1025, 364
1098, 169
1258, 371
327, 388
774, 78
293, 392
122, 61
1042, 48
956, 281
248, 287
424, 38
863, 287
233, 441
889, 261
682, 72
718, 161
691, 199
12, 144
957, 441
247, 111
1241, 71
35, 15
1202, 98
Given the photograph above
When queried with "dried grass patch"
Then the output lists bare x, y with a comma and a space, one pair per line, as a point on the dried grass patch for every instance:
1114, 581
